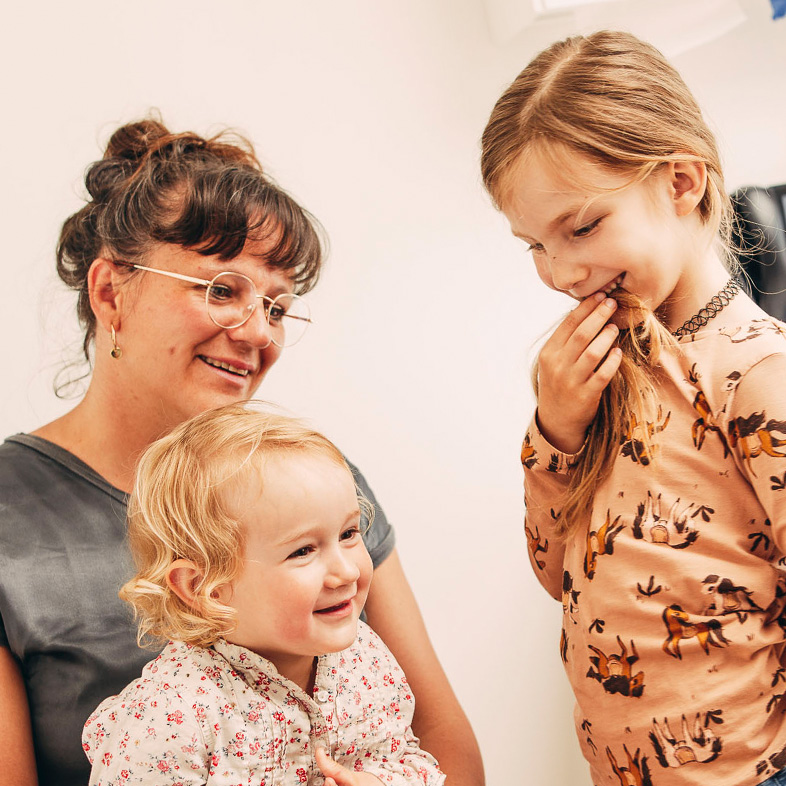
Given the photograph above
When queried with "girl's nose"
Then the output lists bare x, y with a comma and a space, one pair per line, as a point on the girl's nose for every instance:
567, 274
255, 331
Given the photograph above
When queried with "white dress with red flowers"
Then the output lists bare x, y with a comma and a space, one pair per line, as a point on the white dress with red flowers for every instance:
223, 715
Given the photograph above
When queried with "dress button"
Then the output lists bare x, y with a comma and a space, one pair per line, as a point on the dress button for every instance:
322, 696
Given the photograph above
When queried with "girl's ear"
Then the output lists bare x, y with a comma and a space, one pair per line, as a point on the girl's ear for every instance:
104, 282
688, 184
183, 576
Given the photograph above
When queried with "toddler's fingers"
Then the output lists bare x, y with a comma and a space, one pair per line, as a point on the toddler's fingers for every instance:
334, 773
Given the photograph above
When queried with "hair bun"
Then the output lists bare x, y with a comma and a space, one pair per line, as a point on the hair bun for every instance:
125, 150
133, 141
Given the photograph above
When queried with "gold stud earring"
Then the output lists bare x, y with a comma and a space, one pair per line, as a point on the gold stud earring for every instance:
115, 352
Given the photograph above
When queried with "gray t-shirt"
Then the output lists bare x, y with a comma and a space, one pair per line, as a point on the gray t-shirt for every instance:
63, 558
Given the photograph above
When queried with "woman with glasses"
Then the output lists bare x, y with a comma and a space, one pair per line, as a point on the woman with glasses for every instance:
190, 265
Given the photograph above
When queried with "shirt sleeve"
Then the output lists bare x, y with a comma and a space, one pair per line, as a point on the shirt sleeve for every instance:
546, 478
756, 429
380, 537
3, 637
145, 739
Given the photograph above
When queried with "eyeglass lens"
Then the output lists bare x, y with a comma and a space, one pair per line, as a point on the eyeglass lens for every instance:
231, 299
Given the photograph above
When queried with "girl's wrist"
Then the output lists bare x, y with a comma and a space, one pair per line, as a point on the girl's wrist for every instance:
569, 443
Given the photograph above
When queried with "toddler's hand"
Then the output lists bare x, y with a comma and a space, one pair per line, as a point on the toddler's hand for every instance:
574, 367
336, 775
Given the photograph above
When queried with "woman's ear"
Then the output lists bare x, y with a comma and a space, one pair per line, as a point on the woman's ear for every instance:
688, 184
104, 284
183, 577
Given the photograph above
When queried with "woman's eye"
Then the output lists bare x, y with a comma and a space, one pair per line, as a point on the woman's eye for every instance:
350, 534
276, 313
301, 552
586, 229
220, 293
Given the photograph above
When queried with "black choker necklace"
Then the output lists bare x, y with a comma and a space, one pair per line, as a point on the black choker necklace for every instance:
704, 315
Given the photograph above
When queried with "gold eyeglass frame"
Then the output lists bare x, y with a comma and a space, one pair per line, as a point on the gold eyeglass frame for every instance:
267, 302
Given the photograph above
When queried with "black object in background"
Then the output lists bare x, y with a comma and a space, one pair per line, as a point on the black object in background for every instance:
760, 237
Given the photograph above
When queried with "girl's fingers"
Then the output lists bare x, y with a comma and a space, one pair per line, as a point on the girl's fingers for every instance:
582, 325
575, 317
597, 350
607, 369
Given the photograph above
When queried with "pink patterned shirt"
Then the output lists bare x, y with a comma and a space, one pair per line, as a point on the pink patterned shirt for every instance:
673, 590
224, 716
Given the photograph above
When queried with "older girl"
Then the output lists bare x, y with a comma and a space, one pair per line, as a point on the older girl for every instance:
655, 473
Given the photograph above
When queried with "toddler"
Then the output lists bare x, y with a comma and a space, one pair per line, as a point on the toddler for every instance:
244, 527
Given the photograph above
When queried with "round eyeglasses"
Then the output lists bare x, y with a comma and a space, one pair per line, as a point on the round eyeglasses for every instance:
231, 299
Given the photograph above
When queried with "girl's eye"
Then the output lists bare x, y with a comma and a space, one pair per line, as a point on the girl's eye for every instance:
304, 551
587, 228
535, 248
349, 534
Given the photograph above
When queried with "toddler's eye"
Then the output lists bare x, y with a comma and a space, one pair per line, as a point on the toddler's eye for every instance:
349, 534
301, 552
535, 248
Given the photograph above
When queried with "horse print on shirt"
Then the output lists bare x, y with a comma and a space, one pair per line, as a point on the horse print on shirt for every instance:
600, 543
637, 773
755, 437
728, 598
697, 742
680, 626
674, 529
637, 438
615, 673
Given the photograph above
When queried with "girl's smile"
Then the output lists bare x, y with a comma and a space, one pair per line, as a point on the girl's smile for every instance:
596, 232
306, 570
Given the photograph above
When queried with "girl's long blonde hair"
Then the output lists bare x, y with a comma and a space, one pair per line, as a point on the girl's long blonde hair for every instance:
616, 101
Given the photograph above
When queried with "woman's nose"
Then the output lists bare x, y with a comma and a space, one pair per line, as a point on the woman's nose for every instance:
255, 330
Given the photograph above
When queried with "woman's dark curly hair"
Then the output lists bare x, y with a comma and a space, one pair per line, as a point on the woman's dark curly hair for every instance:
205, 194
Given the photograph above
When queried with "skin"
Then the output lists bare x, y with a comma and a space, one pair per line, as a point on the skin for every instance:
162, 379
586, 241
305, 573
337, 775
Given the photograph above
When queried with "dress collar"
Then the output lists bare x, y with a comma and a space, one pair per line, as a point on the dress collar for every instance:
260, 674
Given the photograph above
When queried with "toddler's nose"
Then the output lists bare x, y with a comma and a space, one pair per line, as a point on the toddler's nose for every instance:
342, 570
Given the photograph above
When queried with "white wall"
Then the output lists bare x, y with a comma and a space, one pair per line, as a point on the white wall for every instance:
370, 113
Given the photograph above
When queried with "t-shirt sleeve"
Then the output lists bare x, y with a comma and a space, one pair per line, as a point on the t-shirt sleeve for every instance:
3, 637
380, 537
546, 478
757, 438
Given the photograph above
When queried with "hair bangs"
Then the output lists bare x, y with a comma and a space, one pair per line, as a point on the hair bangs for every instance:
218, 212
